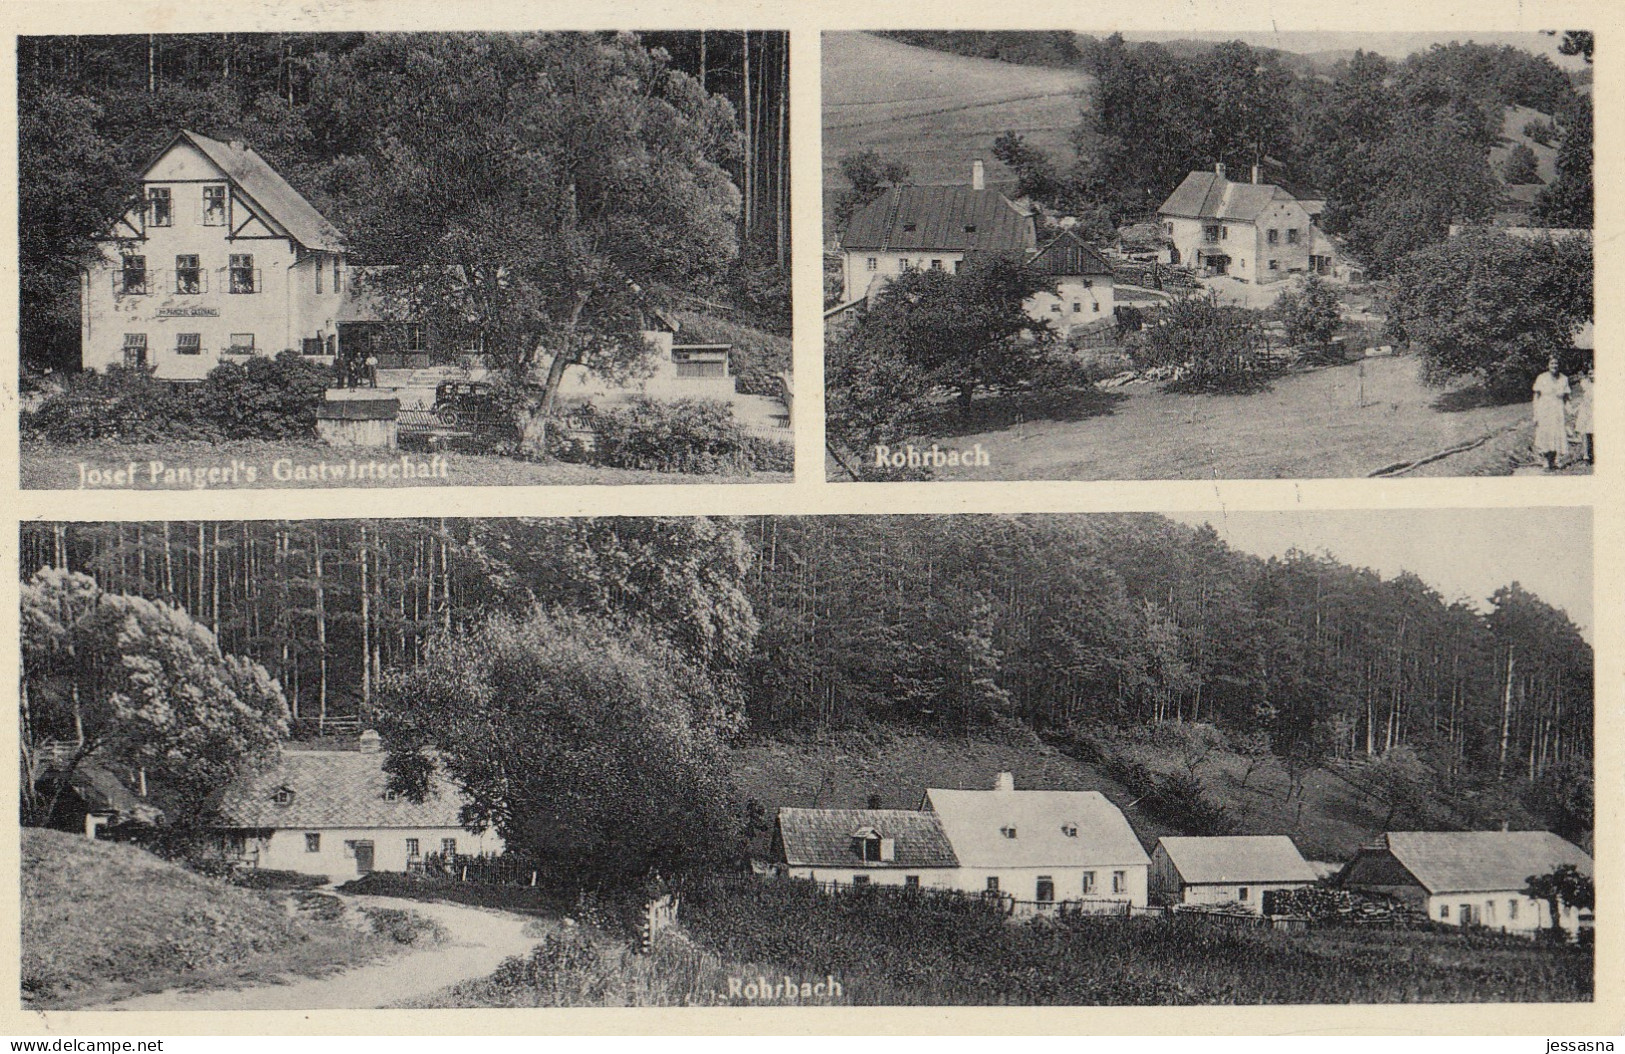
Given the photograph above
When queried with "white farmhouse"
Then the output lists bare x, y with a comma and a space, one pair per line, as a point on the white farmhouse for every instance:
1257, 232
1467, 878
1240, 871
1037, 847
331, 812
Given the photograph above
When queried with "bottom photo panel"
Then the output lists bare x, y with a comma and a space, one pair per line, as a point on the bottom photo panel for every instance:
1059, 759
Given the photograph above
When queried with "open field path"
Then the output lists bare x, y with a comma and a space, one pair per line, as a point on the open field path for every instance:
479, 941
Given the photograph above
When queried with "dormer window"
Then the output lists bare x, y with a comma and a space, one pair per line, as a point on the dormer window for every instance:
1069, 829
910, 228
871, 848
283, 796
1008, 832
970, 228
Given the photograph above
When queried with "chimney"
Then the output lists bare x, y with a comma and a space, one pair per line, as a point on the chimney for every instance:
1006, 782
978, 175
1257, 172
1218, 169
370, 742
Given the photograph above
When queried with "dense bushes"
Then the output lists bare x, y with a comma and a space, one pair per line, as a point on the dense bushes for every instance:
260, 399
688, 435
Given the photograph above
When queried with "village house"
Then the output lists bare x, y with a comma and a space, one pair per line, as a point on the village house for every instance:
1256, 232
939, 228
331, 812
220, 259
1243, 871
1036, 847
1467, 878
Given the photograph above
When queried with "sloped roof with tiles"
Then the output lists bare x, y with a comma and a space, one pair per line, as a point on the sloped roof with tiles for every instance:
333, 788
1050, 828
1210, 196
952, 219
825, 837
1241, 858
1473, 861
1067, 254
263, 184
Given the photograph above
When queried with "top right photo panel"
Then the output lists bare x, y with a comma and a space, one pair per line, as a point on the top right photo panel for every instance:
1063, 255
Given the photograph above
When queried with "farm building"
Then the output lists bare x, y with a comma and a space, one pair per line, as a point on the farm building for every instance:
1241, 871
1467, 877
1256, 231
938, 228
1042, 847
331, 812
219, 259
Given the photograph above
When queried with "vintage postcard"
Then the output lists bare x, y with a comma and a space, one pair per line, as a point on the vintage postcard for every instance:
1195, 612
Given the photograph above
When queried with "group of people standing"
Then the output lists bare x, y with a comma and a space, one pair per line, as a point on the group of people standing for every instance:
356, 372
1553, 393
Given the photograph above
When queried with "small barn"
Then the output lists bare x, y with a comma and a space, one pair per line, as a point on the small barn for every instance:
892, 847
1242, 871
332, 812
1467, 878
359, 422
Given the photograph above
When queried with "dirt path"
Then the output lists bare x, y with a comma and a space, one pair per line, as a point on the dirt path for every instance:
479, 941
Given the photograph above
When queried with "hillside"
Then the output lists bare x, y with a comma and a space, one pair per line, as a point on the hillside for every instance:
935, 111
1329, 822
101, 921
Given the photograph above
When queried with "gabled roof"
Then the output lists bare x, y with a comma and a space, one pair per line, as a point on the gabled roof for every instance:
1210, 196
1241, 858
333, 788
266, 187
824, 837
952, 219
974, 821
1067, 254
1472, 861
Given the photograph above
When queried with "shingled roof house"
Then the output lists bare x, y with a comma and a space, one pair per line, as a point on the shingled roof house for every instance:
939, 228
331, 812
1467, 877
1257, 232
1239, 870
1043, 847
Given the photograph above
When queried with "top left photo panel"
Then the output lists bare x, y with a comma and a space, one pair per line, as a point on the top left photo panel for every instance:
278, 260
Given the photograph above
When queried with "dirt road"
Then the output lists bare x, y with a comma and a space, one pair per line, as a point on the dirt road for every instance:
479, 941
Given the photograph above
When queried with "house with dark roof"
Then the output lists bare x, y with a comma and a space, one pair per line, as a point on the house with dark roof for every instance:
1256, 232
1468, 878
939, 228
331, 812
1242, 871
1039, 847
220, 258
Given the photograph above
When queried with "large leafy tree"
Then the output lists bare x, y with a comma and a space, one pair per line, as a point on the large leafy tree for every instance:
580, 740
1491, 306
536, 195
139, 685
1564, 885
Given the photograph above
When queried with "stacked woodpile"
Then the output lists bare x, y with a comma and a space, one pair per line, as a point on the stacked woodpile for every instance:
1342, 907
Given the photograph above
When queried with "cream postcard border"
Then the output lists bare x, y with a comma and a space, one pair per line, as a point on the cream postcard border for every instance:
809, 494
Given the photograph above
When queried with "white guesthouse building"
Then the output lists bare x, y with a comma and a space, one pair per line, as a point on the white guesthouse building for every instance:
331, 812
221, 258
1042, 847
1256, 232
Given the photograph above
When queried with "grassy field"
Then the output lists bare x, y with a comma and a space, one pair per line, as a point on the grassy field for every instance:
57, 467
101, 922
937, 112
1336, 422
890, 948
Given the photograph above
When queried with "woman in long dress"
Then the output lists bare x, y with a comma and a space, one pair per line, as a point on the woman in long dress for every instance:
1551, 414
